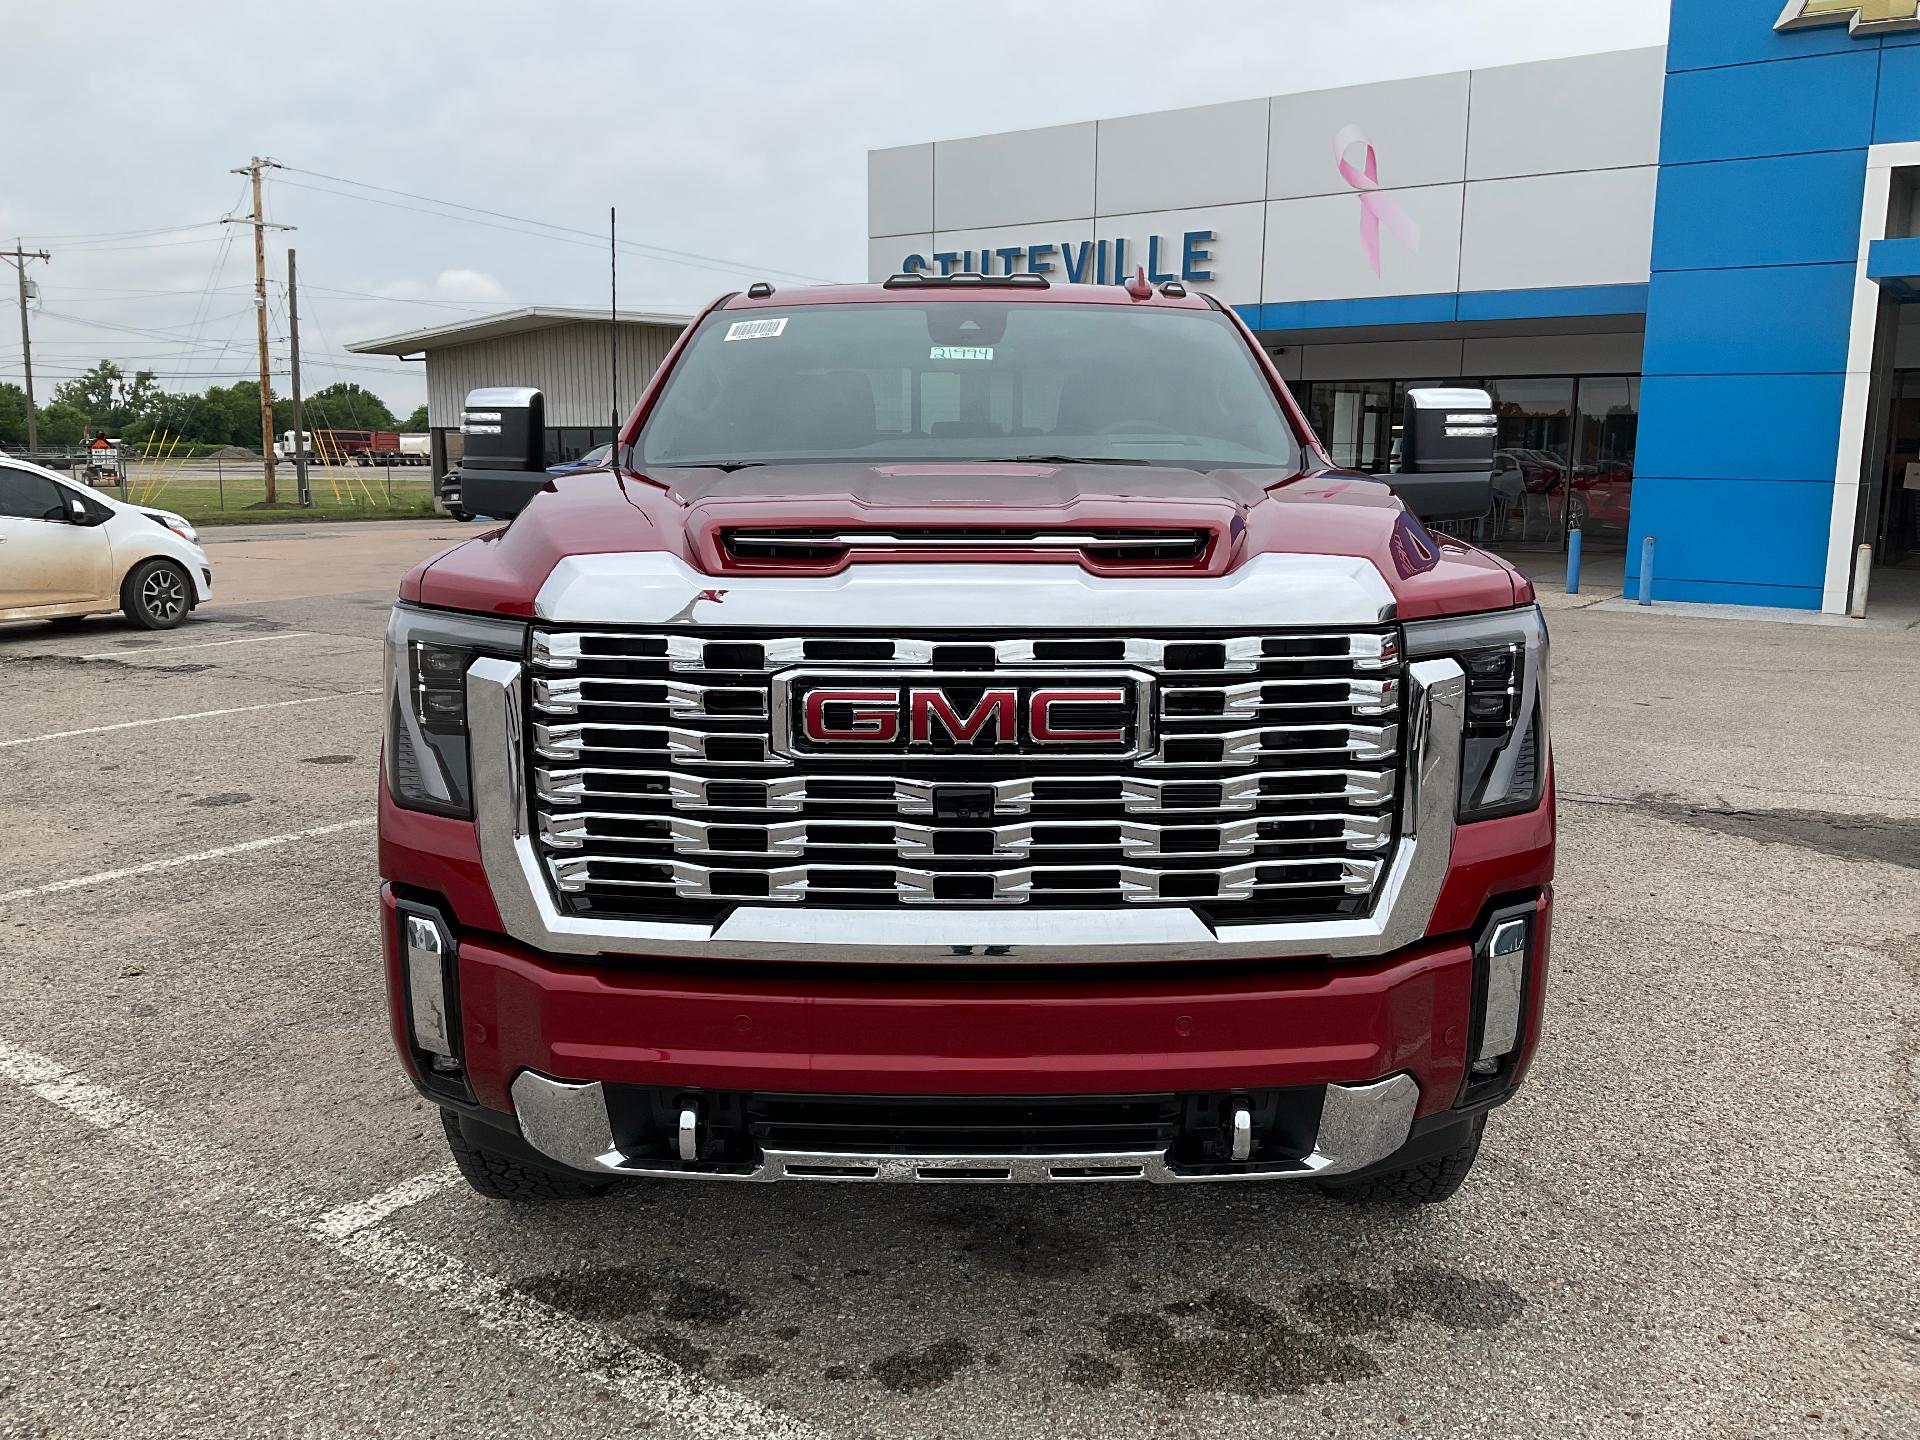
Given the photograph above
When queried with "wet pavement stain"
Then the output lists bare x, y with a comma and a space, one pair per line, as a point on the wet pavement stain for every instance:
1417, 1293
1230, 1343
1026, 1244
326, 760
612, 1293
1091, 1371
746, 1367
1845, 837
923, 1369
213, 802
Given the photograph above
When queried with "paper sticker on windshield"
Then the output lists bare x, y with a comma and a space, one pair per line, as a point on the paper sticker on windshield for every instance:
961, 352
756, 329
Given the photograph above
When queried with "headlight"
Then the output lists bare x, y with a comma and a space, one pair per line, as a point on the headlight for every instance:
176, 523
1504, 745
428, 652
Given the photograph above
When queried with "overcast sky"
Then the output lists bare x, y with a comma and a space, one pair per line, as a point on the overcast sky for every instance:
731, 129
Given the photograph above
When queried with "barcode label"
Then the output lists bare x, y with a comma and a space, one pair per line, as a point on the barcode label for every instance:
756, 329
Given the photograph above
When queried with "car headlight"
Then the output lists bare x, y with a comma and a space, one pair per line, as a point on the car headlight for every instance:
1504, 742
428, 652
176, 523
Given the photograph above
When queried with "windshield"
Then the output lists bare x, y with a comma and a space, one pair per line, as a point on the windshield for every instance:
968, 380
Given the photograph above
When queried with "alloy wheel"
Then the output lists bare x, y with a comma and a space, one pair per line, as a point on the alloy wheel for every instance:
164, 595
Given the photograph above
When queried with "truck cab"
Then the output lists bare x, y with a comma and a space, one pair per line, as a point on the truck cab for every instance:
969, 731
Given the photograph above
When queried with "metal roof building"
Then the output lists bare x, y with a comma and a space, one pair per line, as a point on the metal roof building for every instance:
562, 350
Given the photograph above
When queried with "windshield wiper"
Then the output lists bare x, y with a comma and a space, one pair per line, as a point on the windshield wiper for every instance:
1071, 460
727, 466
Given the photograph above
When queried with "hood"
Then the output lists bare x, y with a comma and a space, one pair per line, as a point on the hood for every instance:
1111, 519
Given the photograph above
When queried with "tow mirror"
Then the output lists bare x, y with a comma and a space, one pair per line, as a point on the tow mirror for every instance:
1445, 470
504, 437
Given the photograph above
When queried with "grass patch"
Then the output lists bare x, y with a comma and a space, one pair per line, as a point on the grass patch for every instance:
235, 495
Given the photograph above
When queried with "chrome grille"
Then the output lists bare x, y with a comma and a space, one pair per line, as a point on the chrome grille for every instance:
1269, 790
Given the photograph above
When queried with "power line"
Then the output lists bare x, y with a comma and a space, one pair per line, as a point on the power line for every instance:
688, 257
80, 239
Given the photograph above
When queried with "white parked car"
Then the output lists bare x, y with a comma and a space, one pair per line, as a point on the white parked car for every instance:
66, 552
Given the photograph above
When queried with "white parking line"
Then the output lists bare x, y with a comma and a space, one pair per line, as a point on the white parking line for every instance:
688, 1404
204, 645
196, 715
377, 1209
102, 877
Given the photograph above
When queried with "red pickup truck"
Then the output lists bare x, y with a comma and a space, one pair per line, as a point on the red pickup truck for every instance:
968, 732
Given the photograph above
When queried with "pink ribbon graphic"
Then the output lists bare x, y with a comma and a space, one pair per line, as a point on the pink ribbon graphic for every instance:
1375, 206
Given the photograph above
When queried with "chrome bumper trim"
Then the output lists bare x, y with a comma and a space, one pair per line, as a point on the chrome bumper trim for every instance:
1436, 692
1360, 1125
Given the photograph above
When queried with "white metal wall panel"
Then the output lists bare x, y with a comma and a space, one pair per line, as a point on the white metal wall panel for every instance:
1591, 227
900, 190
1059, 233
1382, 360
1315, 248
569, 364
1016, 179
1610, 354
1180, 159
886, 253
1234, 251
1591, 112
1418, 129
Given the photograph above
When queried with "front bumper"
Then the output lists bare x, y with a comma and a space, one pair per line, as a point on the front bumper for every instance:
1385, 1049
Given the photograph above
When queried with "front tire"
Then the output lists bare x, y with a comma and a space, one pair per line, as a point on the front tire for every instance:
1428, 1181
502, 1177
156, 595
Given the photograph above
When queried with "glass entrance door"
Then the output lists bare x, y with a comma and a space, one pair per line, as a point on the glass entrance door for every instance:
1897, 527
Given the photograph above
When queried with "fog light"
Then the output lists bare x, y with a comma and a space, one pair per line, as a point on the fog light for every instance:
428, 947
1506, 985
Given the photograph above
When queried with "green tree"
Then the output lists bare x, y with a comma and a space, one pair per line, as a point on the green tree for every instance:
346, 406
109, 399
13, 416
416, 423
62, 423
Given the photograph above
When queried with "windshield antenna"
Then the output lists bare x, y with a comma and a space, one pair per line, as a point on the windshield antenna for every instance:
613, 326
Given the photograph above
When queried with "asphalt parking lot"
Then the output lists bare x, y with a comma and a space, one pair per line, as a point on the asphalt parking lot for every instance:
225, 1213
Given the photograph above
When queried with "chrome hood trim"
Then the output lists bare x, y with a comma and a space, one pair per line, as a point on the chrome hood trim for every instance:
654, 588
1436, 703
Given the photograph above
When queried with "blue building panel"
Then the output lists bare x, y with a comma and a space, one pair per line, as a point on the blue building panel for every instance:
1542, 304
1736, 534
1897, 116
1819, 102
1753, 428
1780, 319
1783, 210
1703, 33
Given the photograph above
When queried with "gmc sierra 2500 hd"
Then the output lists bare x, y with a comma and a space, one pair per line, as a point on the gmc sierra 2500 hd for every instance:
969, 731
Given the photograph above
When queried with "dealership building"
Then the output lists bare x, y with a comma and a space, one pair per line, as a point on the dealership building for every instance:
1680, 272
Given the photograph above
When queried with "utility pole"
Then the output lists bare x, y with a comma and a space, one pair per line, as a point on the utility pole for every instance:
18, 258
258, 220
299, 417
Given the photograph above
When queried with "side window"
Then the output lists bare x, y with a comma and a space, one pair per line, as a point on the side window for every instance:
26, 496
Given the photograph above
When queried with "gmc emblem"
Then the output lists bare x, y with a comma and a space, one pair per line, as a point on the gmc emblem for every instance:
979, 716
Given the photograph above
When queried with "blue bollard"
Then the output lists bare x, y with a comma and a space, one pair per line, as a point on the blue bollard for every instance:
1646, 571
1573, 561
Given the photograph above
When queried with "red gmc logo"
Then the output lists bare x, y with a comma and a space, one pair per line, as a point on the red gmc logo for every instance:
973, 715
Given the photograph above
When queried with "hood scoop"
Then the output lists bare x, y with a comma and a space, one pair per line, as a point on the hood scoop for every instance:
1099, 548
